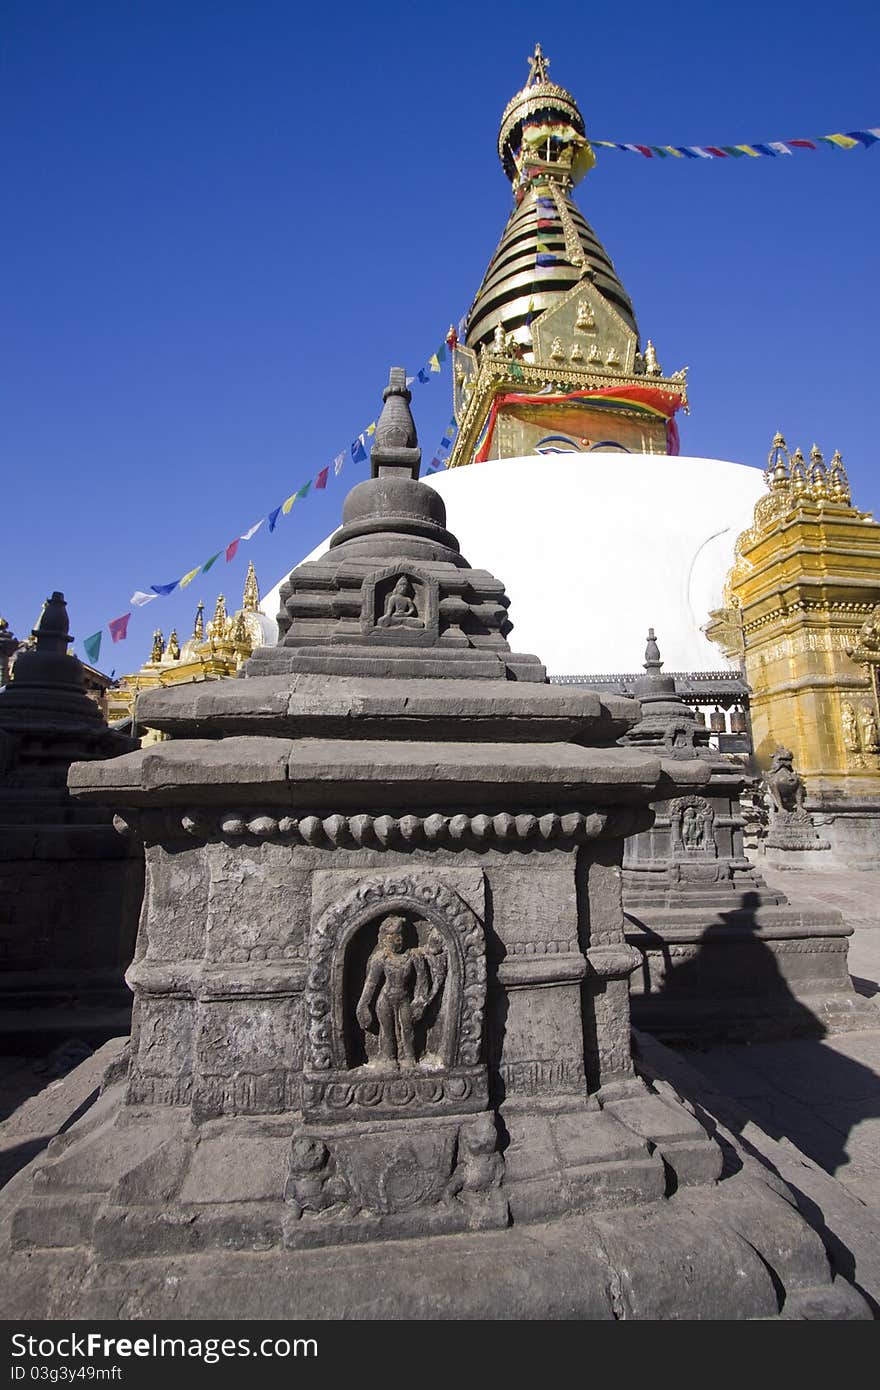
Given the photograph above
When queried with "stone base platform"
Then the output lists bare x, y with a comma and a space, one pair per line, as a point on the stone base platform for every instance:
682, 1246
748, 975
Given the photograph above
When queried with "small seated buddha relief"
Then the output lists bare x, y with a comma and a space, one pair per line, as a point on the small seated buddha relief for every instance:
400, 607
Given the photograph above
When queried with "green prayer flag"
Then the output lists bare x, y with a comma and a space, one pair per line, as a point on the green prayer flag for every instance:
304, 490
208, 563
92, 646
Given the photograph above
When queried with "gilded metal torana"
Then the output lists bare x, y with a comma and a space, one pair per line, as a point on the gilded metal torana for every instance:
551, 316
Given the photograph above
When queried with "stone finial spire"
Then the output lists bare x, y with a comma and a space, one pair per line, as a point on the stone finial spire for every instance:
652, 653
395, 451
52, 632
250, 599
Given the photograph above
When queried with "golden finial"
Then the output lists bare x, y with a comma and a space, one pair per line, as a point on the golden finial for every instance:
199, 624
240, 637
840, 490
158, 645
173, 649
538, 66
776, 472
799, 480
818, 473
652, 366
250, 599
218, 624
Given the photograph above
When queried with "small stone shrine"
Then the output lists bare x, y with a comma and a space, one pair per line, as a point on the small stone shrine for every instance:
382, 991
724, 957
70, 886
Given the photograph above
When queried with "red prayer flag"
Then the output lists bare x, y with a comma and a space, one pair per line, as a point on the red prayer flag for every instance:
321, 480
802, 144
231, 549
119, 628
718, 153
643, 149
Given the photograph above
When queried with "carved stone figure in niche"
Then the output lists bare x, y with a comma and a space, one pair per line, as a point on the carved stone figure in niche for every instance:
612, 357
557, 351
595, 354
850, 728
585, 319
869, 729
691, 820
787, 789
576, 354
400, 608
691, 829
402, 982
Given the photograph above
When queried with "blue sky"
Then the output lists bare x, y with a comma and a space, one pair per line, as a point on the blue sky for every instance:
224, 221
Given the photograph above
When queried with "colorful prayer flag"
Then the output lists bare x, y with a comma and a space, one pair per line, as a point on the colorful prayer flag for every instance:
288, 503
304, 490
165, 589
433, 362
546, 260
423, 377
803, 144
779, 147
441, 353
252, 531
213, 560
841, 142
371, 429
188, 578
273, 518
92, 646
358, 452
231, 549
338, 463
139, 598
321, 480
119, 628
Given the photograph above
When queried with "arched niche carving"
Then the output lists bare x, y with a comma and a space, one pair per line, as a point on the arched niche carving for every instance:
368, 980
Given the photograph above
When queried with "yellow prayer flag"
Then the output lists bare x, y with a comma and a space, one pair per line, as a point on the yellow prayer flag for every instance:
843, 142
670, 149
371, 429
434, 363
188, 578
286, 506
747, 149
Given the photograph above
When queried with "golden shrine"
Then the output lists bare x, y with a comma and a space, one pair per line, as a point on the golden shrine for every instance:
551, 360
215, 650
802, 615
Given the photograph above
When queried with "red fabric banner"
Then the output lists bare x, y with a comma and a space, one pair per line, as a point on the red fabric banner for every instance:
321, 480
119, 628
231, 548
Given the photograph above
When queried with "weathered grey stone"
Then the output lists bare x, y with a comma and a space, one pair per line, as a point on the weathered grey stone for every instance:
70, 885
723, 956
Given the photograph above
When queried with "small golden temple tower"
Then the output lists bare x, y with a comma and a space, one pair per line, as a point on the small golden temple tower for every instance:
214, 651
802, 615
551, 359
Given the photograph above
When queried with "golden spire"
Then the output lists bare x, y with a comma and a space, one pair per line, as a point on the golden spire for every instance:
217, 625
250, 599
199, 624
818, 473
158, 645
776, 473
840, 490
172, 651
538, 66
799, 480
652, 366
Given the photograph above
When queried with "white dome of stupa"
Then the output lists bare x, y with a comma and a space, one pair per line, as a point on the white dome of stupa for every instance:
593, 548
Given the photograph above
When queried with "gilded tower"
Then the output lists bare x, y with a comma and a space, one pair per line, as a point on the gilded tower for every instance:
802, 614
551, 359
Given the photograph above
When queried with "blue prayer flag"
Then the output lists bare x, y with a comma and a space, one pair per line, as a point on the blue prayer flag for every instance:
273, 518
358, 452
165, 589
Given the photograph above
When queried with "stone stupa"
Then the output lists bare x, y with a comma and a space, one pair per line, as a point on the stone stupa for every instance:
381, 989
